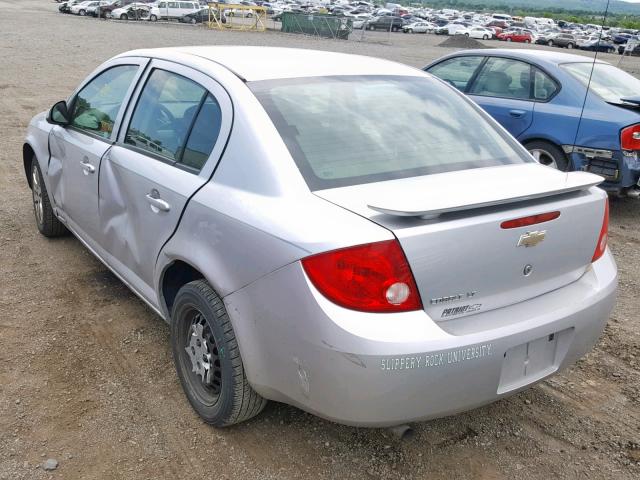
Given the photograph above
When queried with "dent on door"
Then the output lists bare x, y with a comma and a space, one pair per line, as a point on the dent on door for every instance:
116, 218
54, 172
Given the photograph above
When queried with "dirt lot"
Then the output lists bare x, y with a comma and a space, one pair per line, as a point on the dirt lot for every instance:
86, 375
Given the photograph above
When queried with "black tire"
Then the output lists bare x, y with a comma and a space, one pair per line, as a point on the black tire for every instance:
570, 45
227, 398
193, 21
485, 37
153, 18
550, 43
550, 154
46, 221
466, 35
82, 13
124, 17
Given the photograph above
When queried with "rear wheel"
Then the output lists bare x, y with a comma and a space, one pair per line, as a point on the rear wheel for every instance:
46, 221
550, 43
207, 358
548, 154
569, 45
193, 21
485, 37
508, 39
527, 41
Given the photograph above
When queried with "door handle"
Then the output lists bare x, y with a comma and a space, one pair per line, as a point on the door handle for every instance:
87, 167
157, 204
517, 113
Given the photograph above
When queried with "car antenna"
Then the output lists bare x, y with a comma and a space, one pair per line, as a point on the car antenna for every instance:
586, 93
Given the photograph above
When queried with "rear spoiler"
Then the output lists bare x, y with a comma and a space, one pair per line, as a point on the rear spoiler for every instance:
441, 198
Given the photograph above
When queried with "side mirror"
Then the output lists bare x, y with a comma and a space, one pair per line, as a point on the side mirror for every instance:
59, 114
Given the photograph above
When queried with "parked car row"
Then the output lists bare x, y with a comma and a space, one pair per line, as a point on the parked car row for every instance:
183, 11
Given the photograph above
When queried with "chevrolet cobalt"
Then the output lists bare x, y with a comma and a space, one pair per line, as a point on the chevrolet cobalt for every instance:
348, 235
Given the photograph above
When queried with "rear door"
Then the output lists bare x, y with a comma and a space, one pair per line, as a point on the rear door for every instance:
170, 143
504, 89
457, 71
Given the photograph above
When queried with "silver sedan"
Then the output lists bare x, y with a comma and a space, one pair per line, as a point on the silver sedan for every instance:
341, 233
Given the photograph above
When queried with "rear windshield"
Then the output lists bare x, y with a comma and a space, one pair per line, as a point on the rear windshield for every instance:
611, 83
359, 129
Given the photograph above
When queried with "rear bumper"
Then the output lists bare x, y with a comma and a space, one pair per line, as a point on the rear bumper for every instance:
381, 370
619, 171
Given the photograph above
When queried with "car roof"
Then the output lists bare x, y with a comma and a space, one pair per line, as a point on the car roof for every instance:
547, 57
270, 63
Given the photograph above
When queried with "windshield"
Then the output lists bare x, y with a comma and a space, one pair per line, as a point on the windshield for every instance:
609, 82
350, 130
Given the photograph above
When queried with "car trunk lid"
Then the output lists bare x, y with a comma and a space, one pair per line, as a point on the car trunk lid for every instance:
463, 260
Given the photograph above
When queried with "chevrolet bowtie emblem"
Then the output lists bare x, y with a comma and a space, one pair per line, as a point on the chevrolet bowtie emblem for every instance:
531, 239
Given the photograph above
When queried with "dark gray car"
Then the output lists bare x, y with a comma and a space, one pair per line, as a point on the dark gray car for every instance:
563, 40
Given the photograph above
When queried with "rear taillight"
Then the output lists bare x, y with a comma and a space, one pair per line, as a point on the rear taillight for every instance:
371, 278
604, 234
630, 138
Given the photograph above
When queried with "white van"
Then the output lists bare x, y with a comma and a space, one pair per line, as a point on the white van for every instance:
501, 16
173, 10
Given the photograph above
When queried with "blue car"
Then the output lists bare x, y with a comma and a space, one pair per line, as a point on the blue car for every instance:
538, 97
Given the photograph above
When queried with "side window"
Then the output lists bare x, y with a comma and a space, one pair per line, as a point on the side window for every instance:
543, 87
203, 134
96, 106
174, 5
162, 5
457, 71
164, 113
505, 78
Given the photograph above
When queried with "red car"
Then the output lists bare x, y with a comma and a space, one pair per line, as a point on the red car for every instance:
516, 36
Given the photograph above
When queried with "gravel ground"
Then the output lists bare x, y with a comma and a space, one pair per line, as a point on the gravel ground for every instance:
86, 376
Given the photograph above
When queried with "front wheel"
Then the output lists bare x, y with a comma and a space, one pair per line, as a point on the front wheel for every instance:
570, 45
207, 358
82, 13
550, 43
46, 220
548, 154
485, 37
193, 21
508, 39
153, 18
124, 17
527, 41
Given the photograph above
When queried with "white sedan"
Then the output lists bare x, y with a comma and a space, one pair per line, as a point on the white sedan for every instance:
482, 33
419, 27
80, 8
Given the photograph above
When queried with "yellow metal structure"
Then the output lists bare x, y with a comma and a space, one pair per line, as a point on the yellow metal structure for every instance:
257, 17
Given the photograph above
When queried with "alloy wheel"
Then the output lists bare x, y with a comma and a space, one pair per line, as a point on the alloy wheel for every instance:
543, 157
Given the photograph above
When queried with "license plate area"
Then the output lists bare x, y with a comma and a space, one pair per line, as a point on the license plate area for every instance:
534, 360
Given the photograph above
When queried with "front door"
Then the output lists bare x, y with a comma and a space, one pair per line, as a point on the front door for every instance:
77, 149
171, 141
503, 88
